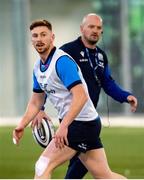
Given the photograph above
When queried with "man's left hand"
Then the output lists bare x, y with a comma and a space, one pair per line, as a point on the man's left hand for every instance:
133, 102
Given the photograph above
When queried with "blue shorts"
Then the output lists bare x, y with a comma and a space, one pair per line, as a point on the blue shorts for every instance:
85, 135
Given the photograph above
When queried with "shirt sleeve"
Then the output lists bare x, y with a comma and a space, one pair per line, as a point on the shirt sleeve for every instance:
112, 88
36, 86
67, 71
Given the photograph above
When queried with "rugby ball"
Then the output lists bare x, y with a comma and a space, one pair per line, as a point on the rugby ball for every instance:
43, 134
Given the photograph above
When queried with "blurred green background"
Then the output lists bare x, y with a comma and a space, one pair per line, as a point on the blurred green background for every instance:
124, 148
123, 41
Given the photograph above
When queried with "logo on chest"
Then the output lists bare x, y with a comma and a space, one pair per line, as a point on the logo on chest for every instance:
83, 59
42, 76
45, 88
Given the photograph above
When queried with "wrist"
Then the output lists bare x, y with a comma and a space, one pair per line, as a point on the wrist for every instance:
64, 124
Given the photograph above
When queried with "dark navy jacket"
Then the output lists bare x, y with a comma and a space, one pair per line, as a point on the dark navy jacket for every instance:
77, 50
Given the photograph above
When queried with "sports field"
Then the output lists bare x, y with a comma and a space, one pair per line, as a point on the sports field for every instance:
124, 148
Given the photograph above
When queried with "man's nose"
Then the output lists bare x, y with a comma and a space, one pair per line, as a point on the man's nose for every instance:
39, 38
96, 31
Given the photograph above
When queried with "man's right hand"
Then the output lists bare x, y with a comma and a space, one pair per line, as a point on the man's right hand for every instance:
37, 120
17, 134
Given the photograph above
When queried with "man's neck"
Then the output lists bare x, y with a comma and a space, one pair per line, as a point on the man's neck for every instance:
45, 55
87, 45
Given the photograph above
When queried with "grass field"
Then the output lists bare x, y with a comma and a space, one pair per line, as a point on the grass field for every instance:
124, 148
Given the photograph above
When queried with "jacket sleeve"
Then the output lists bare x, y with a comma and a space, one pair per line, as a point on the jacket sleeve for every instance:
112, 88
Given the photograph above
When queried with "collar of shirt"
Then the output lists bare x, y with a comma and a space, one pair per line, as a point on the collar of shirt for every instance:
44, 66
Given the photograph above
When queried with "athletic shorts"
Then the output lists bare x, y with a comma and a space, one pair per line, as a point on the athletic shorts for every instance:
85, 135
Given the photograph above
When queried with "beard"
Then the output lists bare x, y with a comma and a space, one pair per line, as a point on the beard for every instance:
92, 40
41, 49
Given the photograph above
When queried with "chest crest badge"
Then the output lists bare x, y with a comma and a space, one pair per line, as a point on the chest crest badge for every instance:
100, 57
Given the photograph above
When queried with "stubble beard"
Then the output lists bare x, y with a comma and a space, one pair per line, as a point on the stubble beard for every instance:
42, 50
91, 41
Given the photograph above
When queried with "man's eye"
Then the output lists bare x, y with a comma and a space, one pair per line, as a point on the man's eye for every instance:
91, 27
34, 35
44, 34
99, 28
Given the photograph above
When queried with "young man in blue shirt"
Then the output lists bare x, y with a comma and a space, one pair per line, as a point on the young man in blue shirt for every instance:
93, 63
80, 127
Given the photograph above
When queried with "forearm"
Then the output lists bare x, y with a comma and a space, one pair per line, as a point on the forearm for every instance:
116, 92
33, 108
29, 115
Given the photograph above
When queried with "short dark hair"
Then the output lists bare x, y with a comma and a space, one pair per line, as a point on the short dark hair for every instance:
43, 22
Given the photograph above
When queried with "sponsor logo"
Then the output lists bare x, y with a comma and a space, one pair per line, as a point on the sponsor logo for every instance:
83, 60
42, 76
48, 91
51, 91
43, 86
83, 146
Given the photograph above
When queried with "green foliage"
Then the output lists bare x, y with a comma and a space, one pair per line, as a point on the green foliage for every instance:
124, 148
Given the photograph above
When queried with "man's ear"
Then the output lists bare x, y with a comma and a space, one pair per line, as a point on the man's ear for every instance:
81, 28
53, 36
